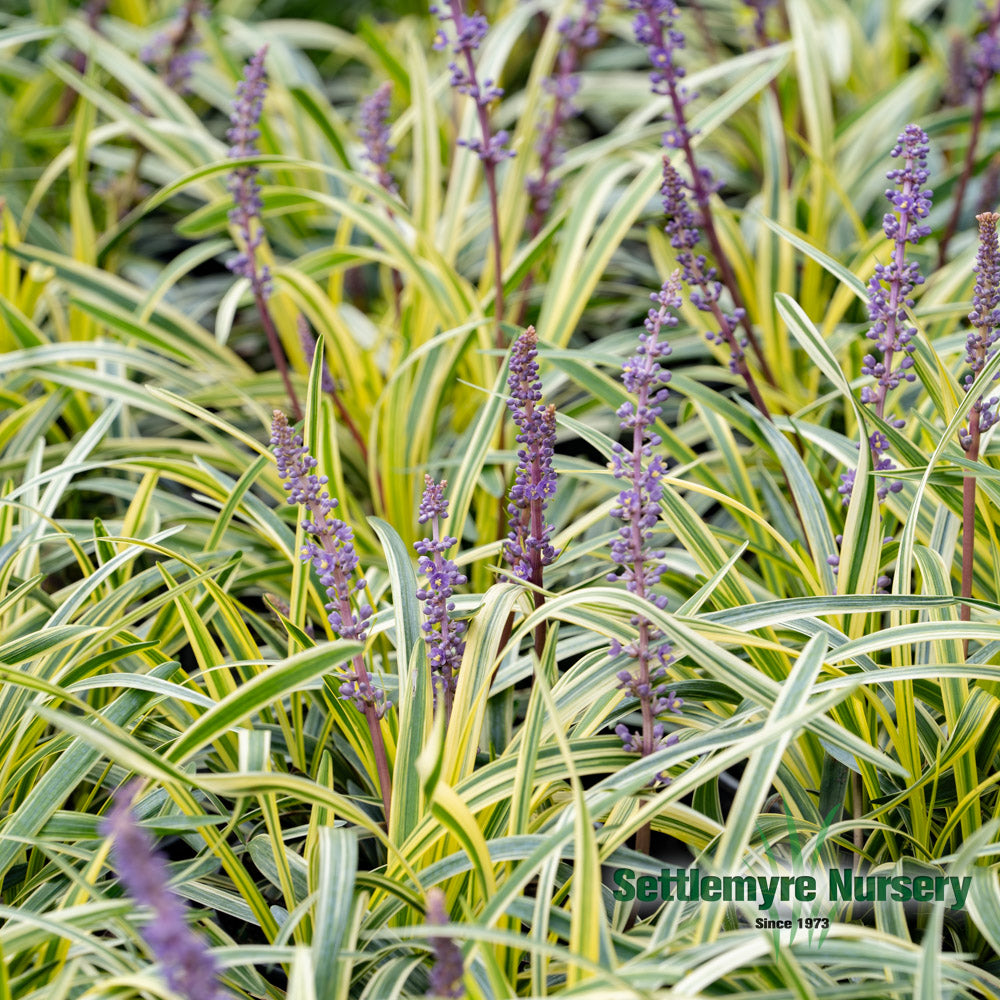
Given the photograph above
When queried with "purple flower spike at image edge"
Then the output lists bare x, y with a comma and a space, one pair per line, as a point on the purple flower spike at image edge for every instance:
373, 130
639, 508
188, 966
247, 206
329, 546
442, 633
889, 297
490, 147
578, 36
979, 71
980, 347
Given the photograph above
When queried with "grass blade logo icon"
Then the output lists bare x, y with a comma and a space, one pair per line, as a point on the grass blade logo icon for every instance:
813, 917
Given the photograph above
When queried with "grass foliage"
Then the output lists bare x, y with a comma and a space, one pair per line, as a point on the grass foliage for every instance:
155, 619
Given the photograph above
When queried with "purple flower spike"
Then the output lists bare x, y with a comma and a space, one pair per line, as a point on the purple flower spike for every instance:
470, 30
374, 133
448, 969
639, 507
889, 295
172, 53
704, 288
243, 135
528, 547
330, 548
980, 345
578, 36
442, 634
188, 966
654, 28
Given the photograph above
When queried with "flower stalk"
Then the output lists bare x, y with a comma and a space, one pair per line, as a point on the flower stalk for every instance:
980, 346
329, 546
373, 131
528, 548
705, 289
889, 296
639, 508
246, 212
985, 65
654, 27
442, 633
490, 147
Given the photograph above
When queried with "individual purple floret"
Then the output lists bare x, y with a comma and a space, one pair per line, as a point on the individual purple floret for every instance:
470, 30
528, 547
980, 344
448, 969
187, 965
329, 546
172, 52
374, 132
639, 507
243, 185
578, 36
442, 633
889, 296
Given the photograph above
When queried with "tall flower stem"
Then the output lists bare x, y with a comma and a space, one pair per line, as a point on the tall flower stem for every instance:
490, 147
442, 633
246, 212
889, 296
987, 62
528, 548
980, 346
642, 469
277, 351
655, 28
330, 548
701, 196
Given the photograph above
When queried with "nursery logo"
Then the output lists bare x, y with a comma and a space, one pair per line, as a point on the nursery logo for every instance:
795, 895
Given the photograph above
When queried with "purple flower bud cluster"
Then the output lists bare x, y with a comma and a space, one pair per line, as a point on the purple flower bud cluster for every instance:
578, 36
188, 966
980, 344
243, 135
448, 969
172, 52
374, 133
442, 634
889, 295
705, 289
639, 508
470, 30
330, 548
528, 547
308, 342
